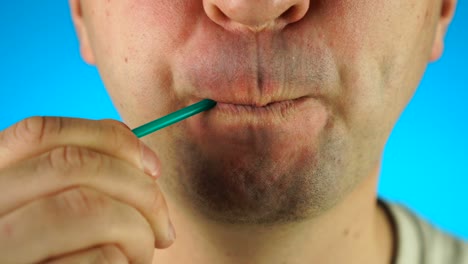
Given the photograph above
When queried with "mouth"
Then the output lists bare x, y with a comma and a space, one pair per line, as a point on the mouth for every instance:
276, 112
258, 109
241, 125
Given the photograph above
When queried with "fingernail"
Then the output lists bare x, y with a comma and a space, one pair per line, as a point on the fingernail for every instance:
150, 161
172, 234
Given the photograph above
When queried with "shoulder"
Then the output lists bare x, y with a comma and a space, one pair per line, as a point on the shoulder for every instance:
420, 242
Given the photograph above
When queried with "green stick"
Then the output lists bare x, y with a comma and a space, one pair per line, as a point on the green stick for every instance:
174, 117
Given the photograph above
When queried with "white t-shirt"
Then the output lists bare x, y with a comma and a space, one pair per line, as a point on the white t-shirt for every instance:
420, 243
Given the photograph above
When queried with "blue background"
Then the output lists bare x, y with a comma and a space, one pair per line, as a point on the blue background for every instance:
425, 161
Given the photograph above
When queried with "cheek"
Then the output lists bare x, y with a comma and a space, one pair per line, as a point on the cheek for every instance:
381, 47
166, 22
132, 41
347, 25
373, 27
132, 27
381, 50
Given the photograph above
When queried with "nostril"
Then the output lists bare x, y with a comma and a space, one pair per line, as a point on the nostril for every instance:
215, 14
219, 14
294, 13
289, 14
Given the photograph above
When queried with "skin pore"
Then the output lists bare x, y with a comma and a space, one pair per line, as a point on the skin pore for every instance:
285, 168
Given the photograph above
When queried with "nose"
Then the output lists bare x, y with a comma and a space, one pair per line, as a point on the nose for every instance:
255, 15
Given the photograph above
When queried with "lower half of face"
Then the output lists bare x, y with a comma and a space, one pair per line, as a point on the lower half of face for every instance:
268, 173
303, 114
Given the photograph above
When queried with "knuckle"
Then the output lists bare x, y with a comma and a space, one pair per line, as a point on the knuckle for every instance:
80, 202
34, 130
68, 160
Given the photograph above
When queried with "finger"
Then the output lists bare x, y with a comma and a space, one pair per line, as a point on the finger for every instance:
36, 135
68, 167
74, 220
106, 254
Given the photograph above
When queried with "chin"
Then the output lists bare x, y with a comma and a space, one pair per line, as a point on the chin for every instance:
271, 182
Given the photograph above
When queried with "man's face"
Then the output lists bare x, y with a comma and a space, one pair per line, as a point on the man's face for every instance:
307, 95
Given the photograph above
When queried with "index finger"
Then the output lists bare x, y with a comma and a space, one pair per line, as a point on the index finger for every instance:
36, 135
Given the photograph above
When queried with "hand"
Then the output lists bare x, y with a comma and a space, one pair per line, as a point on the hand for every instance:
79, 191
